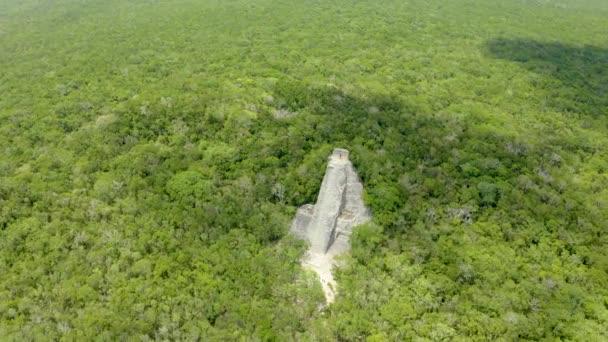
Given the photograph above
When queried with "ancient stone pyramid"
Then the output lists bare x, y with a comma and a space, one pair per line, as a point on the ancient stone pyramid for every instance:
327, 225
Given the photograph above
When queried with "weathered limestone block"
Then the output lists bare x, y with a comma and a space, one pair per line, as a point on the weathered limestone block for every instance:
302, 220
328, 224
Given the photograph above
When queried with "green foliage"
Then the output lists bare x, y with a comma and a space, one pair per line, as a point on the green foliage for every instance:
187, 187
488, 193
366, 240
153, 153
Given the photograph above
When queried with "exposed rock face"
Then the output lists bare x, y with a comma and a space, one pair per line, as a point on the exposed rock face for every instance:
327, 225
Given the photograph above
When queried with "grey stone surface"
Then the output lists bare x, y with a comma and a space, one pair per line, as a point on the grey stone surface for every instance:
328, 224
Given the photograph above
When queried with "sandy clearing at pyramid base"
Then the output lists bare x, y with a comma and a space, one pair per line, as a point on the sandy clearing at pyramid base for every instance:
322, 265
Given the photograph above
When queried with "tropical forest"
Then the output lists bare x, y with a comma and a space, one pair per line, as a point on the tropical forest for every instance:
153, 155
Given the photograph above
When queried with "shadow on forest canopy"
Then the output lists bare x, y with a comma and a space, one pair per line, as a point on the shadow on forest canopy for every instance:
581, 71
403, 154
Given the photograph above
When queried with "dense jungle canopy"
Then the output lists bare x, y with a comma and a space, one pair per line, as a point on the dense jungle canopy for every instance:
153, 153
